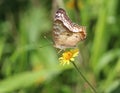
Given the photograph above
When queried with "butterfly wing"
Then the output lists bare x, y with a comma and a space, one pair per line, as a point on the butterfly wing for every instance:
65, 33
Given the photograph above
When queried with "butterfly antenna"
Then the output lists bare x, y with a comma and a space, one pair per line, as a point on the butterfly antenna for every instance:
48, 40
44, 45
50, 43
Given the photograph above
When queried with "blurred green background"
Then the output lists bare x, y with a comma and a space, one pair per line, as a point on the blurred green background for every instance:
29, 62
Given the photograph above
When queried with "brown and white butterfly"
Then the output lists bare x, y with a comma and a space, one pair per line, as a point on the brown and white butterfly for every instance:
66, 34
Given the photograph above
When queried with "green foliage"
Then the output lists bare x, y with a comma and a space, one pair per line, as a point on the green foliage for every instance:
29, 62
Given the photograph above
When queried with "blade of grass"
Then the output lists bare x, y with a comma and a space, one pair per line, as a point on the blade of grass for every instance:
99, 43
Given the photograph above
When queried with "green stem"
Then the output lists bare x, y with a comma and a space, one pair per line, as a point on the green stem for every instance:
80, 73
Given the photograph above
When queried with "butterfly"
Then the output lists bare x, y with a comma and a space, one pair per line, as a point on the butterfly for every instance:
66, 34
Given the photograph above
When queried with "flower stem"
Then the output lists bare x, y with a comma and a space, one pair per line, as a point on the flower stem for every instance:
80, 73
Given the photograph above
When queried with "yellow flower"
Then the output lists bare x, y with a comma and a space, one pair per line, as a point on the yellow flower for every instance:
70, 4
68, 56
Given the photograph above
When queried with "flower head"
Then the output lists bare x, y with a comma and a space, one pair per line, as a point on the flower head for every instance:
68, 56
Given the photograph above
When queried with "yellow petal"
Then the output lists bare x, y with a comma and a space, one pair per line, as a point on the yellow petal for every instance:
72, 59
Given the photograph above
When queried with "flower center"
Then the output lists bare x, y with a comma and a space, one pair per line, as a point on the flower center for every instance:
68, 55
